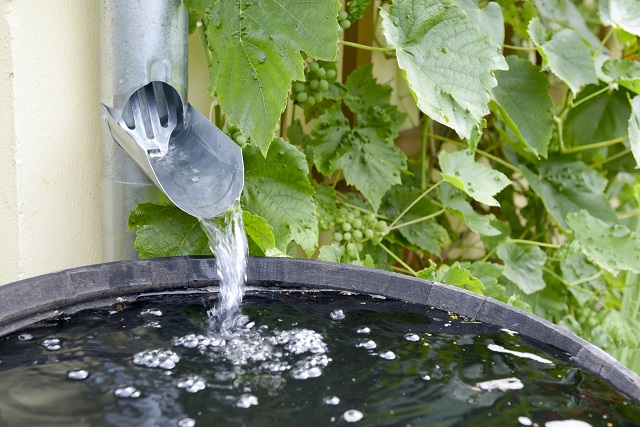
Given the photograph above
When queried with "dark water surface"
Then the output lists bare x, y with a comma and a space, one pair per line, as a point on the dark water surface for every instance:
296, 359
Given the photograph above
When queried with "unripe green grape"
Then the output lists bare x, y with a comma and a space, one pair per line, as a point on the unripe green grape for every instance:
302, 97
337, 236
323, 85
241, 140
347, 236
343, 211
347, 225
313, 84
331, 74
321, 73
350, 217
368, 233
342, 15
236, 134
311, 101
357, 223
345, 24
357, 234
351, 247
381, 226
372, 218
318, 96
314, 66
359, 247
299, 87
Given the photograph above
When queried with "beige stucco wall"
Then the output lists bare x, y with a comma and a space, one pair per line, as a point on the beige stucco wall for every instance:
49, 137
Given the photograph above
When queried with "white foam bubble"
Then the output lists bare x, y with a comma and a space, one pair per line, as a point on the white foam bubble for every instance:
412, 337
78, 375
389, 355
501, 384
151, 312
525, 421
187, 422
52, 344
165, 359
25, 337
352, 416
246, 401
337, 314
363, 330
127, 392
192, 384
368, 344
567, 423
331, 400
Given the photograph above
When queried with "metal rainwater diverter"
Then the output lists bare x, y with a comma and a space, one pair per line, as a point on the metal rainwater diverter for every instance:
143, 94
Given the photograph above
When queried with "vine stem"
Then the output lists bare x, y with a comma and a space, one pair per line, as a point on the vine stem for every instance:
612, 158
596, 145
604, 41
415, 221
626, 215
588, 97
532, 242
365, 47
401, 262
408, 208
527, 49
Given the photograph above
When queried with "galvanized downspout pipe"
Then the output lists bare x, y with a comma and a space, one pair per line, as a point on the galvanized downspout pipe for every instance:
141, 41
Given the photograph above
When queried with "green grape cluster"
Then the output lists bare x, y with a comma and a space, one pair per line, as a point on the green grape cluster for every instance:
317, 80
237, 136
343, 19
353, 228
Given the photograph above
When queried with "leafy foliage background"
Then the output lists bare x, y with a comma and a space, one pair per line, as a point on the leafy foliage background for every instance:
519, 182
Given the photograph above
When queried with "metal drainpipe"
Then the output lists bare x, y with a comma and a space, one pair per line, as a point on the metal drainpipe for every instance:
140, 41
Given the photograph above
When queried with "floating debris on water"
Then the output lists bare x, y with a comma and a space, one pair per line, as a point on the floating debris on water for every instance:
352, 416
337, 314
500, 349
509, 331
127, 392
25, 337
501, 384
567, 423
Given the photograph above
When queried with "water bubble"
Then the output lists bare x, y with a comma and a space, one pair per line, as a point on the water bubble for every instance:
525, 421
79, 375
369, 344
152, 324
192, 384
25, 337
331, 400
412, 337
389, 355
52, 344
151, 311
195, 179
165, 359
246, 401
195, 340
187, 422
364, 330
337, 314
567, 423
352, 416
501, 384
426, 377
127, 392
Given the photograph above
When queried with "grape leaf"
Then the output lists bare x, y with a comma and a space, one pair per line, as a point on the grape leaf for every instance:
454, 200
424, 235
462, 278
597, 119
518, 15
259, 234
623, 71
475, 179
622, 328
576, 268
522, 97
331, 253
566, 55
277, 189
523, 265
613, 247
447, 61
634, 129
562, 11
357, 8
566, 187
257, 47
165, 230
489, 19
623, 14
366, 154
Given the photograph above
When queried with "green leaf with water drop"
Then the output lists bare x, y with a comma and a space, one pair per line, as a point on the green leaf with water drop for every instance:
634, 129
478, 181
259, 234
447, 61
523, 265
566, 55
164, 230
256, 48
277, 189
489, 19
612, 247
566, 187
523, 100
623, 14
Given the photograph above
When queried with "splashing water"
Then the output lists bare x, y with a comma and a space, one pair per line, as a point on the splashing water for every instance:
228, 243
